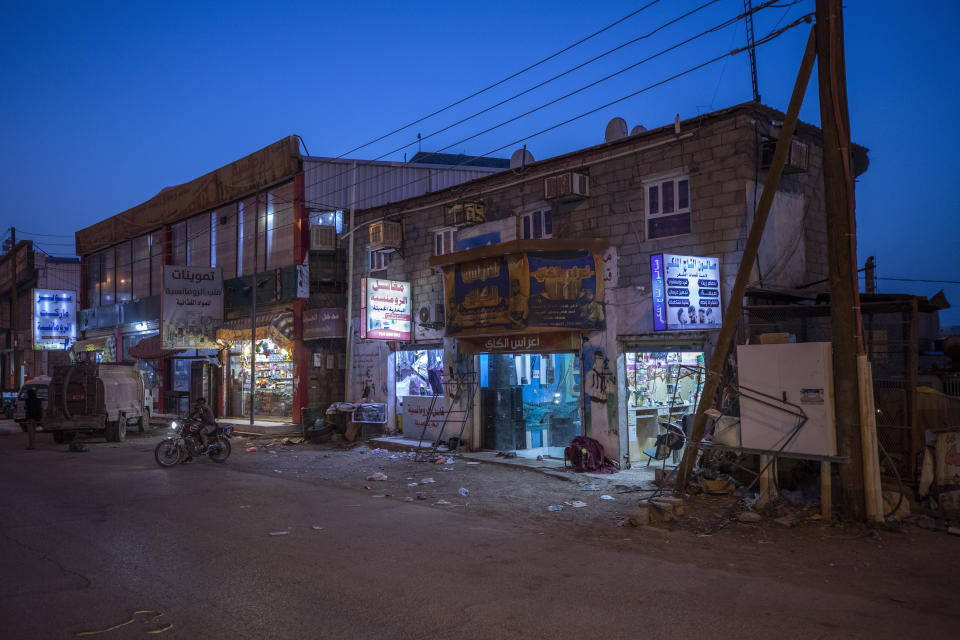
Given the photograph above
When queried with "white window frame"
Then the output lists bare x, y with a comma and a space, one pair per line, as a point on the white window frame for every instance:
671, 182
444, 241
378, 261
529, 218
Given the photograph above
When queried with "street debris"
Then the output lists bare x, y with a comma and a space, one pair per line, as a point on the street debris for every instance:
606, 497
378, 476
316, 528
576, 504
251, 449
427, 481
464, 492
411, 484
589, 487
473, 463
442, 502
555, 507
279, 533
749, 516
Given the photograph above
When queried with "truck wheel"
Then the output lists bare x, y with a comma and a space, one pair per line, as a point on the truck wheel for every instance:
144, 422
116, 431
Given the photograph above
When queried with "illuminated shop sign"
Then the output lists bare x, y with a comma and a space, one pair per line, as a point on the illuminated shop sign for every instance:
191, 308
54, 319
386, 309
686, 292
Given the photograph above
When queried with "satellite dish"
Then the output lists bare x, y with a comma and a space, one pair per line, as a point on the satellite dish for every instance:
638, 129
521, 158
616, 129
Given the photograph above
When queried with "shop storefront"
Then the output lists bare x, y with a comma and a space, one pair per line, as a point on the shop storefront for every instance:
530, 392
273, 365
418, 386
661, 384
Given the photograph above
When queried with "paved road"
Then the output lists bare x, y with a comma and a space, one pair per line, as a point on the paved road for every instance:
89, 538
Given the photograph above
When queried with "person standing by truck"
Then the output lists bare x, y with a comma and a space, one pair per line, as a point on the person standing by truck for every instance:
33, 408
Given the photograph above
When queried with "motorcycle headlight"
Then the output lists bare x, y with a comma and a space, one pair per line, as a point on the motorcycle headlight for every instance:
174, 424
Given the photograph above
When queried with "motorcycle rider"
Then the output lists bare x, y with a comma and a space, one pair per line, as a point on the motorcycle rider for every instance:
203, 414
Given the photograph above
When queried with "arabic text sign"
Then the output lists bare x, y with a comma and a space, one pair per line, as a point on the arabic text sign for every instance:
386, 310
192, 307
417, 415
54, 319
686, 292
324, 323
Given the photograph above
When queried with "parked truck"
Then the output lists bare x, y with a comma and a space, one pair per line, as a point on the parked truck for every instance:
103, 398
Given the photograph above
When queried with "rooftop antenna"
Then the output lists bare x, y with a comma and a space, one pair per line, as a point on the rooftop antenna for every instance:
751, 48
418, 144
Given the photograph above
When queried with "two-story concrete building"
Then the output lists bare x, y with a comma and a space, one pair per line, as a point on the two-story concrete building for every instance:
579, 294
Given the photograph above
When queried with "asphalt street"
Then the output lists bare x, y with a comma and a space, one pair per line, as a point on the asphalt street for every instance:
90, 538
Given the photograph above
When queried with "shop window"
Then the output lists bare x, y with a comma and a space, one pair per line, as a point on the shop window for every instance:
248, 237
140, 269
156, 262
280, 226
444, 241
93, 265
124, 284
225, 240
178, 250
668, 207
536, 224
378, 260
108, 278
328, 219
274, 382
198, 241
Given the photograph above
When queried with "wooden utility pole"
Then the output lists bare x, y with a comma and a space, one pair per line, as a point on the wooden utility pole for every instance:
845, 321
731, 317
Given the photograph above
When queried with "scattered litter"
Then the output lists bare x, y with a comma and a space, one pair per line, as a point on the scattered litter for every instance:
420, 496
379, 495
316, 528
540, 458
576, 504
449, 461
448, 468
606, 497
408, 499
393, 457
244, 506
277, 471
377, 476
442, 502
749, 516
555, 507
251, 449
589, 487
279, 533
440, 461
473, 463
427, 481
411, 484
464, 492
272, 451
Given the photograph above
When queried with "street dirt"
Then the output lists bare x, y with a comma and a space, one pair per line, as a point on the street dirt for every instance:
901, 562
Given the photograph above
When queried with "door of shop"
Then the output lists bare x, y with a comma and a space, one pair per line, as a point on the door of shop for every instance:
530, 402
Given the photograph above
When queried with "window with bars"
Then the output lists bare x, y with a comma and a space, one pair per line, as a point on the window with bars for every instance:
378, 261
667, 207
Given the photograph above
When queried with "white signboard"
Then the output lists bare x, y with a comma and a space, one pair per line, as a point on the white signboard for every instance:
54, 319
386, 309
686, 292
192, 307
416, 415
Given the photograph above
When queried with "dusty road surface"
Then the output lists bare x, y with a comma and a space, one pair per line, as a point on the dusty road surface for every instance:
299, 544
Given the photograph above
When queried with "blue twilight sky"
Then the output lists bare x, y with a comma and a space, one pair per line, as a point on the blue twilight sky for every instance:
104, 103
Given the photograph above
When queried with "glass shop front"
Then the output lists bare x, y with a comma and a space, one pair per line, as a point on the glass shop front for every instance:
530, 402
661, 386
273, 387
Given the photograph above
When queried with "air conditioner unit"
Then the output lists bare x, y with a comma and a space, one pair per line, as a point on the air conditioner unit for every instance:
431, 315
466, 213
567, 186
323, 237
798, 158
385, 236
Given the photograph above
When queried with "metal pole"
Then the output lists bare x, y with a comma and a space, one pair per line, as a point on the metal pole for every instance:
353, 206
14, 343
731, 317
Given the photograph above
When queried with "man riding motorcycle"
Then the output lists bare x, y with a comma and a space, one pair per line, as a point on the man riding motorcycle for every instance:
203, 414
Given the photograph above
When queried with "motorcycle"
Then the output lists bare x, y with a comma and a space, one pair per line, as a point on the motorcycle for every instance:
185, 440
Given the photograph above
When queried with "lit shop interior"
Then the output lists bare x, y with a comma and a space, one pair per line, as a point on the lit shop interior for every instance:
661, 386
273, 394
530, 403
418, 373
